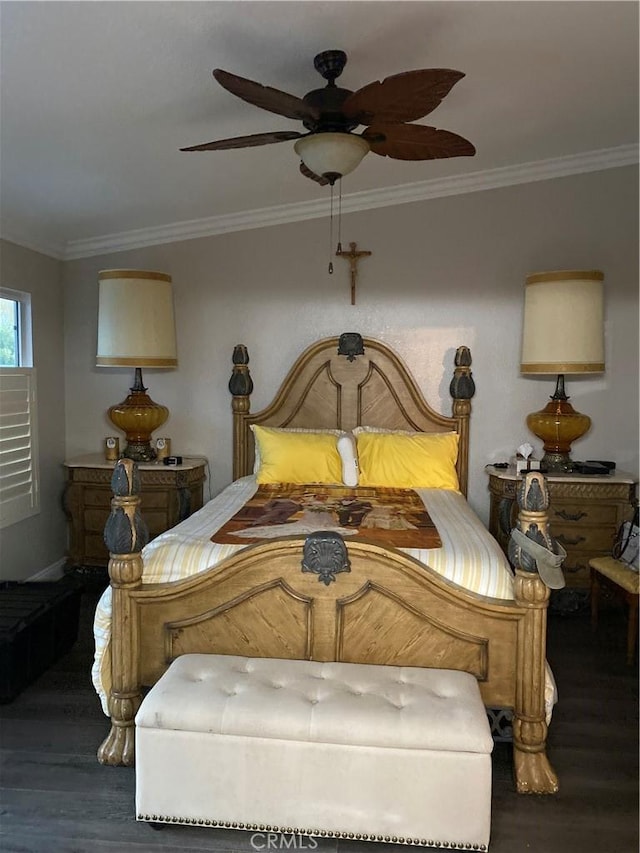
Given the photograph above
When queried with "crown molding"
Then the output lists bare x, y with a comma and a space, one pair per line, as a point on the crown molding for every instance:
505, 176
524, 173
541, 170
57, 251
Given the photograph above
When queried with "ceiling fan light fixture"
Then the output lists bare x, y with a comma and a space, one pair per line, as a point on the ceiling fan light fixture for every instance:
331, 155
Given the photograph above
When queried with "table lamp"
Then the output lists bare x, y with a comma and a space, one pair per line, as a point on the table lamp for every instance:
136, 328
563, 333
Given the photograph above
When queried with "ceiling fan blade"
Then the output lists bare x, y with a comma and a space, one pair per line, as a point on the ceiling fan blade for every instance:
319, 179
416, 142
265, 97
246, 141
402, 97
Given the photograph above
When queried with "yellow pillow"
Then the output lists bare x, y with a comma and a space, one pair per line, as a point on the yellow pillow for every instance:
297, 457
408, 461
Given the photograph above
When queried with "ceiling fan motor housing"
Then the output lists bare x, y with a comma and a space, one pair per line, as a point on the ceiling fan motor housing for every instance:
328, 103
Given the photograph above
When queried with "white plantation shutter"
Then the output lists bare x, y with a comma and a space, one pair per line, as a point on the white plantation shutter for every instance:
19, 492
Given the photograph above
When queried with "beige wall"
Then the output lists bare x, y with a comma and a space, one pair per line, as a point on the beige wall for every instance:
443, 272
38, 543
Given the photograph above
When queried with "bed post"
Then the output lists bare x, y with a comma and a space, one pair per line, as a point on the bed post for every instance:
241, 386
462, 389
533, 771
125, 535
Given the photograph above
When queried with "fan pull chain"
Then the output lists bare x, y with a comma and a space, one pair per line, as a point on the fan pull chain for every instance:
339, 247
331, 233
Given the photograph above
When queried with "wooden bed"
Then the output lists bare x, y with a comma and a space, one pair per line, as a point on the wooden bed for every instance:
389, 609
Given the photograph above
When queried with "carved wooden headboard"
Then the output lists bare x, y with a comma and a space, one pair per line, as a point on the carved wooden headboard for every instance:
341, 383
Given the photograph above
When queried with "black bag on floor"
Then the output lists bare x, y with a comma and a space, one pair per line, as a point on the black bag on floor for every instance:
627, 542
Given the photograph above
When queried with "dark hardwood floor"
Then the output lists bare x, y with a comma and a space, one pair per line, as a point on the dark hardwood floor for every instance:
55, 797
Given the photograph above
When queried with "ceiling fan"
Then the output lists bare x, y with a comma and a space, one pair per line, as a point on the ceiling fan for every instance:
330, 148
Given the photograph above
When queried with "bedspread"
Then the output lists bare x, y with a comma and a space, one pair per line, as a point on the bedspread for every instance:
394, 518
469, 556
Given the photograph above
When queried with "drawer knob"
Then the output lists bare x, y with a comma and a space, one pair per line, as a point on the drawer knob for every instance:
565, 541
569, 516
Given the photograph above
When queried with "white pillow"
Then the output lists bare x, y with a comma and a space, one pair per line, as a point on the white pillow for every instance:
349, 457
346, 448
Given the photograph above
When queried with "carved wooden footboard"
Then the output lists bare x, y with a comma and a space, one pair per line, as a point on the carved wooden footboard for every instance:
368, 605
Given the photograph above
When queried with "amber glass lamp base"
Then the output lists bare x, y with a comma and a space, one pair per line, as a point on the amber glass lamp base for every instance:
138, 416
558, 425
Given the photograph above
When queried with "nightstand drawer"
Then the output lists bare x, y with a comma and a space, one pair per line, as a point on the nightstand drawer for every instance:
593, 539
582, 513
152, 499
94, 548
576, 569
97, 497
156, 523
95, 520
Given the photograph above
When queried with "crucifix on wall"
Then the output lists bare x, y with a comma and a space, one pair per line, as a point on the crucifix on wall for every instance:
353, 256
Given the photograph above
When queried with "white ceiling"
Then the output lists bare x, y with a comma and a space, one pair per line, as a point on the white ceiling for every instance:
97, 98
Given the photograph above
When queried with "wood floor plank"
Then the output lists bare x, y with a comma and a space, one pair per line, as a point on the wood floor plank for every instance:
61, 772
100, 815
46, 736
25, 842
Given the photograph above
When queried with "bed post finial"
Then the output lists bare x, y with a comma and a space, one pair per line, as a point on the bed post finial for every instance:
240, 386
533, 771
462, 386
462, 389
125, 535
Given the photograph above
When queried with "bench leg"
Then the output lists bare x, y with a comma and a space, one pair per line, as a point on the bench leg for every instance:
595, 599
632, 628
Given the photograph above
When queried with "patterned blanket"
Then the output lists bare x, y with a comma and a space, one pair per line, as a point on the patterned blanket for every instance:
393, 517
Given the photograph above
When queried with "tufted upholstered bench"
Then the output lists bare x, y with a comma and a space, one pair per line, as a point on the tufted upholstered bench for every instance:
378, 753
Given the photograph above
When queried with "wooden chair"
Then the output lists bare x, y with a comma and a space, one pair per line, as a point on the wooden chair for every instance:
625, 582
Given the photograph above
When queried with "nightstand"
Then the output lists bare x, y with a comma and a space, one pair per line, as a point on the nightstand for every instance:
585, 513
169, 494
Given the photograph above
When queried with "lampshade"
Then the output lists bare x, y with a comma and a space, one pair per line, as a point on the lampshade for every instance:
563, 332
136, 328
563, 323
331, 154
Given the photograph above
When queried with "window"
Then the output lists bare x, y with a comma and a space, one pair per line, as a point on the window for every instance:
19, 487
15, 328
9, 328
